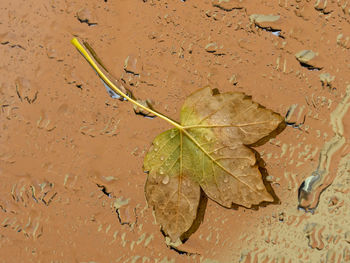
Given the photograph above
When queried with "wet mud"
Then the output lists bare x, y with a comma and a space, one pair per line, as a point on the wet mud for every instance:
72, 183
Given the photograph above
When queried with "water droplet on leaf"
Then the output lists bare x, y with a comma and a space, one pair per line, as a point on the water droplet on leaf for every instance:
172, 134
260, 187
166, 179
207, 138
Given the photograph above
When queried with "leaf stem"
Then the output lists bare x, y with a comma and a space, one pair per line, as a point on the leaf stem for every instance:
86, 54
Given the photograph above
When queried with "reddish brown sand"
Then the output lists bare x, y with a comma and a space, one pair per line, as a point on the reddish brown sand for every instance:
66, 145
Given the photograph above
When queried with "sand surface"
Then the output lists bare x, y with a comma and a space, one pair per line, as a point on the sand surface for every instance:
72, 183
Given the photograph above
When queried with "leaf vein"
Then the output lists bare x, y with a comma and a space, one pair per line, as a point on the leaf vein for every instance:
218, 164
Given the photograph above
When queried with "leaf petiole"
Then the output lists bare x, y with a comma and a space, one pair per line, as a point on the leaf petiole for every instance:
101, 72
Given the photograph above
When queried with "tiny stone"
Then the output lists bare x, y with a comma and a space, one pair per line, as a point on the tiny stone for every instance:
308, 58
326, 79
269, 178
269, 22
84, 15
131, 65
347, 236
233, 79
228, 5
211, 47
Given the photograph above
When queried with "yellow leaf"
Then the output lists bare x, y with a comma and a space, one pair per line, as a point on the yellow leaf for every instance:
209, 151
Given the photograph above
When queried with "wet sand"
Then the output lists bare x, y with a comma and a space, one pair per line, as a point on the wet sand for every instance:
72, 183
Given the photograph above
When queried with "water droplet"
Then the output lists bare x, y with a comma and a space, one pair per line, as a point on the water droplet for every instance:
260, 187
208, 138
225, 179
162, 158
173, 134
166, 179
155, 149
156, 143
161, 170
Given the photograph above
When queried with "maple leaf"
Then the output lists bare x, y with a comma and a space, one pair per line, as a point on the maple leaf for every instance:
208, 150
